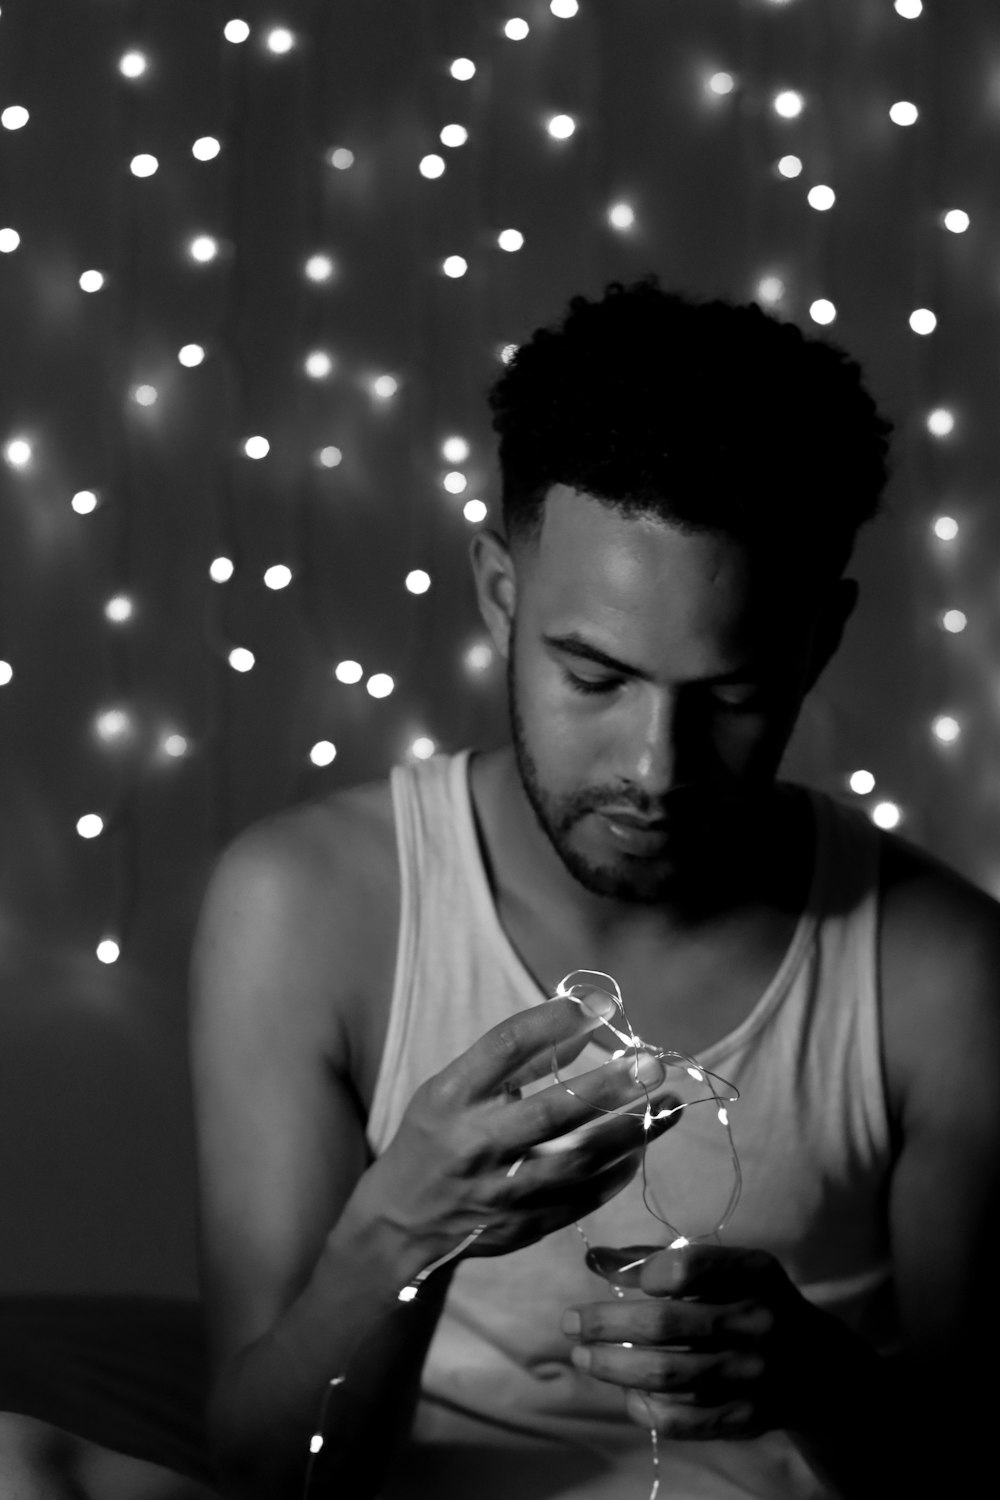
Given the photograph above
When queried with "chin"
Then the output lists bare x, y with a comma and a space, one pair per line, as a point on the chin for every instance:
645, 883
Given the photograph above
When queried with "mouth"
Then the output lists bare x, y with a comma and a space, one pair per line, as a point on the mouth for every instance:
640, 836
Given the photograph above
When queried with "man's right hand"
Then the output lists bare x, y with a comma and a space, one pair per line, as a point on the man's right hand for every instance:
470, 1151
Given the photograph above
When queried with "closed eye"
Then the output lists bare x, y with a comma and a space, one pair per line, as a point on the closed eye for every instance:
740, 697
591, 684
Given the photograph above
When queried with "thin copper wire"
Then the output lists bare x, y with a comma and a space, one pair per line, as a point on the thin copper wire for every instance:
635, 1044
631, 1042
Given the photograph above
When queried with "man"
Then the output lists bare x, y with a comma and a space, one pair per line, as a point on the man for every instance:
373, 1061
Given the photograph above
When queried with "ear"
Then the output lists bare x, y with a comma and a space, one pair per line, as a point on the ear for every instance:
831, 622
496, 586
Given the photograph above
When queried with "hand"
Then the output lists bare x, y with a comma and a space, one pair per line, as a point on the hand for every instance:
470, 1151
723, 1345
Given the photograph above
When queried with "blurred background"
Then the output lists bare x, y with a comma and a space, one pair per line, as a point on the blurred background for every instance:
258, 265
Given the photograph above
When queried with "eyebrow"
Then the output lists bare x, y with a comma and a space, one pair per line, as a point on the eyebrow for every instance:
573, 644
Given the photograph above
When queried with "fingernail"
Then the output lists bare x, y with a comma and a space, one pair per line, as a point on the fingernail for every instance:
580, 1355
599, 1004
571, 1324
649, 1068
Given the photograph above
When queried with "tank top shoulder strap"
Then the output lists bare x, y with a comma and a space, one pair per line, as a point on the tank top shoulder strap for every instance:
426, 800
849, 1020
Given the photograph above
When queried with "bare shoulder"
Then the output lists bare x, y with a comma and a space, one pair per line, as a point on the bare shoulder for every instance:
337, 855
930, 908
940, 973
288, 974
341, 848
348, 836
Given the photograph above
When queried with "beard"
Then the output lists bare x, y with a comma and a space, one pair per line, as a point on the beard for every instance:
676, 877
720, 829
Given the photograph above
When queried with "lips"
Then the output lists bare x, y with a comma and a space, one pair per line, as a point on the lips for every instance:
641, 836
633, 820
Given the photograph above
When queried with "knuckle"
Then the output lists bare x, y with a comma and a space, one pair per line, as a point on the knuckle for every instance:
749, 1318
505, 1039
476, 1148
536, 1117
664, 1322
438, 1093
764, 1321
665, 1376
744, 1367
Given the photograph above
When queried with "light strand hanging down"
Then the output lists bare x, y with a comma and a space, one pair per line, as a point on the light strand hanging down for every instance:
602, 1262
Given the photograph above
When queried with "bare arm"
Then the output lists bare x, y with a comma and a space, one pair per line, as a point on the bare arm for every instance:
266, 1402
305, 1242
724, 1344
922, 1422
291, 1277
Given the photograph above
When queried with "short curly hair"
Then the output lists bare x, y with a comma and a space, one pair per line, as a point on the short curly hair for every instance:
713, 415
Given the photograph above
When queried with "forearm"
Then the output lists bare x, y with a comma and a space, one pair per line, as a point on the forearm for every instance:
347, 1320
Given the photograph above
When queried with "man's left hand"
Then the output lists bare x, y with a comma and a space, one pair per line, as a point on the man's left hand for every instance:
723, 1345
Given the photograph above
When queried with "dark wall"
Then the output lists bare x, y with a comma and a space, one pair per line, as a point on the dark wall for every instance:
95, 1134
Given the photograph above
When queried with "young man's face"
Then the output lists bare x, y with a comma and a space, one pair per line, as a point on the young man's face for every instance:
654, 680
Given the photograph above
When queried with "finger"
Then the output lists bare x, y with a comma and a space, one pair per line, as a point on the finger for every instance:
673, 1417
561, 1055
663, 1321
481, 1070
553, 1178
700, 1376
618, 1116
715, 1273
553, 1119
557, 1204
580, 1195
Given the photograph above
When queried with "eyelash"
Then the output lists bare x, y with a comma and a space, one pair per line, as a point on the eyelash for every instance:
603, 685
609, 684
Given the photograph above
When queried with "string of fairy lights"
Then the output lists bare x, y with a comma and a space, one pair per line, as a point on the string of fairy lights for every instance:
610, 1263
21, 450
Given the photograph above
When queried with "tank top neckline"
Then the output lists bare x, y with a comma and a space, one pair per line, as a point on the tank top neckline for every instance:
527, 988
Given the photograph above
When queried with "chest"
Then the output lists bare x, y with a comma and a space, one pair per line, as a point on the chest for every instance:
686, 999
683, 996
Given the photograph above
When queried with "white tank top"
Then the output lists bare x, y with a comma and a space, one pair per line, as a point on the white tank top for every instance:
503, 1413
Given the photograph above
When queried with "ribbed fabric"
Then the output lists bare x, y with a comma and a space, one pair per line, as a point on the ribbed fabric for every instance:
504, 1413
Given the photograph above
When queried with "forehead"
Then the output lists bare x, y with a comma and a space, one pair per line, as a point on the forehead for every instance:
640, 579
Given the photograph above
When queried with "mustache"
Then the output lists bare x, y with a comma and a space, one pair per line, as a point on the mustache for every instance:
687, 804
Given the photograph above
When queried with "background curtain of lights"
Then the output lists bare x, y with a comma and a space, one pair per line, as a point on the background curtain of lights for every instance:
258, 264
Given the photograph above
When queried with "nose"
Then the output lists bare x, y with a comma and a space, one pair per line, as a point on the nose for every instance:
654, 752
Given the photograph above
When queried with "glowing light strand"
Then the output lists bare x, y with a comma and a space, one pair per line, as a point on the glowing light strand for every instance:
634, 1043
631, 1042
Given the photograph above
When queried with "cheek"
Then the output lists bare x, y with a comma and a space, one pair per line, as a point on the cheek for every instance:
556, 734
564, 740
